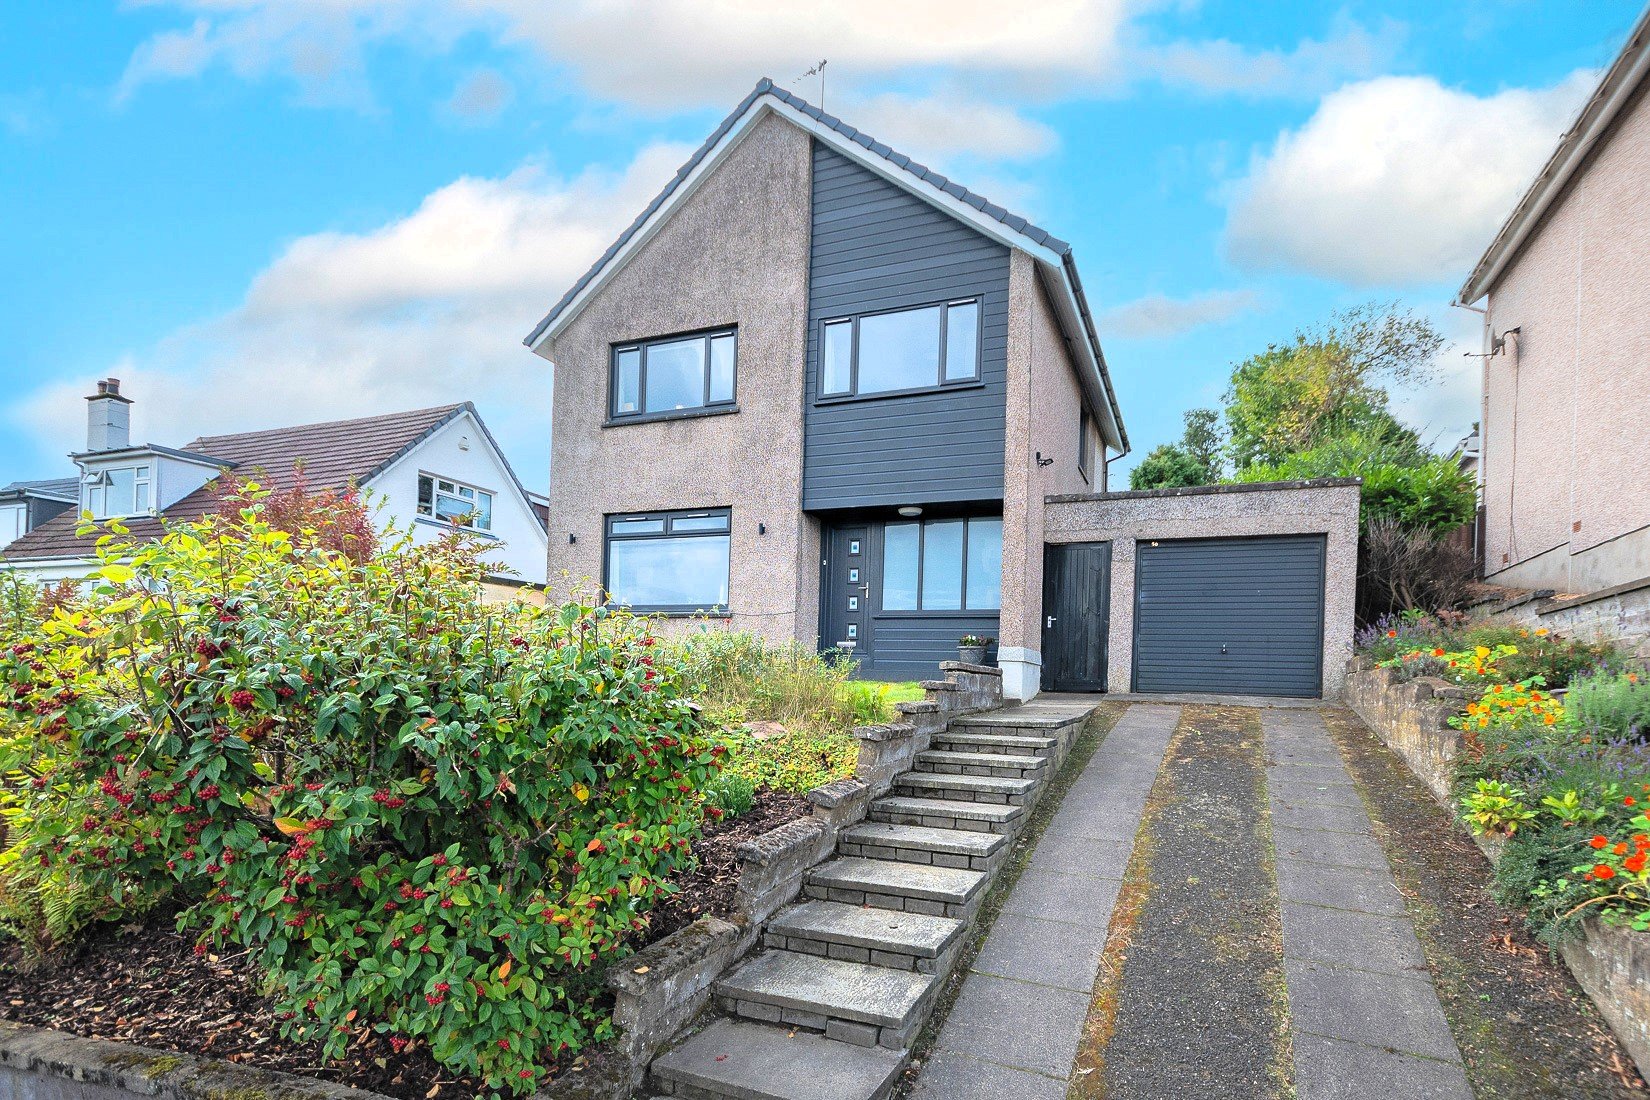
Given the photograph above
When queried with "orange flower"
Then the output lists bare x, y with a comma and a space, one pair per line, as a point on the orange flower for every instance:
1439, 652
1550, 719
1632, 677
1635, 862
1628, 801
1392, 634
1599, 841
1604, 871
1621, 848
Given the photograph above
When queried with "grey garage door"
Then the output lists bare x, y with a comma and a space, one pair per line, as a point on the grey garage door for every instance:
1229, 615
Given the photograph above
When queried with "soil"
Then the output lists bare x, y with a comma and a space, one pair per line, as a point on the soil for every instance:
1525, 1028
141, 982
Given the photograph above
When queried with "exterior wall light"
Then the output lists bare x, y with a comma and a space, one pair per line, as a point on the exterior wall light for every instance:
910, 511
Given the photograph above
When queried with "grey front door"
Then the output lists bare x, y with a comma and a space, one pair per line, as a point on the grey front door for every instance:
845, 621
1076, 614
1239, 616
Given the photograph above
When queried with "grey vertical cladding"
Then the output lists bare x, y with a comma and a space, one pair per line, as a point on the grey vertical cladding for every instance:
911, 646
1230, 615
875, 247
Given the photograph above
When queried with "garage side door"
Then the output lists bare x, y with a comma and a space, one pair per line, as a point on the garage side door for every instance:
1230, 615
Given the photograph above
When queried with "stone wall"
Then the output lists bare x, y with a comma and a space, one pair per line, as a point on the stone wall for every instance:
1611, 964
1411, 718
1620, 614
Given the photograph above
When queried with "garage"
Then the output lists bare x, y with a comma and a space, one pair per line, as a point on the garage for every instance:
1238, 615
1242, 589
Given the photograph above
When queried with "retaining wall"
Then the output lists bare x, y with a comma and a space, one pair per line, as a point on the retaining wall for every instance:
1611, 964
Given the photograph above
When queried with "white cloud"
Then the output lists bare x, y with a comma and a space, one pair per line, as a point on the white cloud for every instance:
1397, 180
427, 309
1157, 315
481, 95
1311, 67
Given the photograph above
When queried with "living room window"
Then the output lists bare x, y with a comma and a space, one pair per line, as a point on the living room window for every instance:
673, 375
671, 562
900, 351
943, 565
454, 502
117, 491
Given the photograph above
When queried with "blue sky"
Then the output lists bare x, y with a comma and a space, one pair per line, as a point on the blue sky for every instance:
259, 212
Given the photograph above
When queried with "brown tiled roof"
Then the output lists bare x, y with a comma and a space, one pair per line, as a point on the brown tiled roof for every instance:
333, 455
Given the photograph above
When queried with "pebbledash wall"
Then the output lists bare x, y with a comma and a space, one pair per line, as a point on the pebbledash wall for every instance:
1328, 507
1620, 614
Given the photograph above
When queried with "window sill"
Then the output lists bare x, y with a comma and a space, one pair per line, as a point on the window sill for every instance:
428, 522
682, 414
672, 612
883, 395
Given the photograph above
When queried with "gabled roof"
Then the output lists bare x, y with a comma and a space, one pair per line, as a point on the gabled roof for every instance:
334, 455
1620, 81
57, 488
1054, 255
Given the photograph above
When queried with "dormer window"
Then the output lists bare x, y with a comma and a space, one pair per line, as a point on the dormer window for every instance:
455, 502
117, 491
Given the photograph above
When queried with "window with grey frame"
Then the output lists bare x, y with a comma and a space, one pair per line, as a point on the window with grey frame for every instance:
910, 350
943, 565
673, 375
668, 562
1085, 444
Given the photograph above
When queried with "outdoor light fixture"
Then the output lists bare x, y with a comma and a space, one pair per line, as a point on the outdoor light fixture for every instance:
910, 511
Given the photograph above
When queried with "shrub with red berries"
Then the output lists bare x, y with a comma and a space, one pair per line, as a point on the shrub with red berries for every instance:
422, 814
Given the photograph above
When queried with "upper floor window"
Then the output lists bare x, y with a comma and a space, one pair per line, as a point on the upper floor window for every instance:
455, 502
1085, 444
900, 351
672, 375
117, 491
669, 561
943, 565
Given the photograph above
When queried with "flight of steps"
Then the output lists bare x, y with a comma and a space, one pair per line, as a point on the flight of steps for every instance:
849, 973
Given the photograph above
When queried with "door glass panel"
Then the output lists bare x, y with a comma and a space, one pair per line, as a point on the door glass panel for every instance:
676, 375
942, 559
985, 563
627, 397
838, 355
899, 351
899, 566
962, 341
721, 368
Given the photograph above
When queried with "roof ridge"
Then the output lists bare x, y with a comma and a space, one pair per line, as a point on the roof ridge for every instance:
432, 410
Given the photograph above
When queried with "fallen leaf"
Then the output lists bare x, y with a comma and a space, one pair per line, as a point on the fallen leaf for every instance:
638, 970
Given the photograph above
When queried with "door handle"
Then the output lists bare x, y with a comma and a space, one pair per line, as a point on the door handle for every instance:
1050, 625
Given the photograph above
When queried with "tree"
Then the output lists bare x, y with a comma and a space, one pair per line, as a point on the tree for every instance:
1167, 466
1196, 460
1330, 381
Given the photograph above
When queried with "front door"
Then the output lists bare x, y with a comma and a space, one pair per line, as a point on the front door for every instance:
1076, 613
845, 622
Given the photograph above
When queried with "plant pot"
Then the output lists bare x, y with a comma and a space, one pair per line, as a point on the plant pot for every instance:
971, 654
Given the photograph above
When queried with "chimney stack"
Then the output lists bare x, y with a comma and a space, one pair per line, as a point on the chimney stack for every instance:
108, 418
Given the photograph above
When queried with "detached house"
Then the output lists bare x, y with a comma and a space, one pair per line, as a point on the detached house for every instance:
429, 468
1565, 292
823, 393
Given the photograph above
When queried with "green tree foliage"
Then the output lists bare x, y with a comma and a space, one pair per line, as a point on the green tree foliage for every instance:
1196, 460
419, 813
1412, 488
1330, 381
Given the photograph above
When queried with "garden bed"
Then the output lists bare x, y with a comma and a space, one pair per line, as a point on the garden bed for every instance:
141, 982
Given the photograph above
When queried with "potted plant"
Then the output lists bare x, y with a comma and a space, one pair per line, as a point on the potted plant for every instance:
971, 649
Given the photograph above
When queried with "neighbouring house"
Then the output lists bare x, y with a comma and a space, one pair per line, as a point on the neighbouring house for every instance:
25, 505
821, 392
429, 469
1565, 290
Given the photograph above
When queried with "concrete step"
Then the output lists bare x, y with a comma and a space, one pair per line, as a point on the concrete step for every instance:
1014, 722
941, 813
920, 844
881, 937
889, 884
855, 1003
956, 740
734, 1060
981, 763
965, 788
